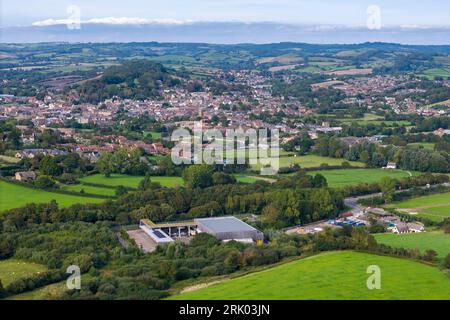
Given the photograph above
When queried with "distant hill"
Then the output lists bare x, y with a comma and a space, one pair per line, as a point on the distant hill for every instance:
136, 79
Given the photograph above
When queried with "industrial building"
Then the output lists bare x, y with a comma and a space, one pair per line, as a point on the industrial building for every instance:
229, 228
223, 228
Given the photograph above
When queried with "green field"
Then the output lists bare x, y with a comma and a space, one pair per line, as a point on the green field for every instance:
342, 178
155, 135
424, 145
13, 269
246, 178
15, 196
50, 292
130, 181
90, 189
7, 159
435, 240
310, 161
435, 207
437, 72
337, 276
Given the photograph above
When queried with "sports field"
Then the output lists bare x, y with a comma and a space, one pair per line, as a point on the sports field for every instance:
434, 240
116, 180
13, 269
435, 207
15, 196
342, 178
333, 276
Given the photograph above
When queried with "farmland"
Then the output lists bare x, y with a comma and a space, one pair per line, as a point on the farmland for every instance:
337, 275
109, 192
424, 145
311, 161
436, 72
14, 196
435, 207
245, 178
116, 180
434, 240
13, 269
342, 178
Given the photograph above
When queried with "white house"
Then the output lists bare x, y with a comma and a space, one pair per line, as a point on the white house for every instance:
391, 166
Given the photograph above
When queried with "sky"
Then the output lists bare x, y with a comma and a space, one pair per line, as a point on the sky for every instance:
313, 12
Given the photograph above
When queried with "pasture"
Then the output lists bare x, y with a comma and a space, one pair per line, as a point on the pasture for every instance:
116, 180
346, 177
13, 269
431, 74
435, 207
9, 160
310, 161
246, 178
109, 192
434, 240
332, 276
15, 196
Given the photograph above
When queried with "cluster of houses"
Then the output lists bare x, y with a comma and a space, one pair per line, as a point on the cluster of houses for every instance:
394, 223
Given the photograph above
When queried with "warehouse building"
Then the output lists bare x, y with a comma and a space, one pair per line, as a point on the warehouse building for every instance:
223, 228
229, 228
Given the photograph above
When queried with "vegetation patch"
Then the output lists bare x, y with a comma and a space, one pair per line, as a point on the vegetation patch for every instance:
128, 181
14, 269
336, 276
345, 177
434, 207
15, 196
434, 240
311, 161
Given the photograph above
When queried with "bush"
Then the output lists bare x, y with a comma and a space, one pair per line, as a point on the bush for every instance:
447, 261
183, 273
45, 182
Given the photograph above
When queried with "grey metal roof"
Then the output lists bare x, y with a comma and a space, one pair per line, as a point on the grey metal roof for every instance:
224, 224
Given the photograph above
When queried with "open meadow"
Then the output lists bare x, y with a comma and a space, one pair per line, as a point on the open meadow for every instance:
15, 196
435, 207
310, 161
332, 276
13, 269
116, 180
434, 240
346, 177
109, 192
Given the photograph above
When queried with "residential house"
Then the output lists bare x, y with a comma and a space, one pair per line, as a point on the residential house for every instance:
25, 176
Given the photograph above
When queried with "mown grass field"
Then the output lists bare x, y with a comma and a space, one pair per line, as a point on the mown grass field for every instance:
13, 269
434, 240
15, 196
342, 178
310, 161
116, 180
435, 207
333, 276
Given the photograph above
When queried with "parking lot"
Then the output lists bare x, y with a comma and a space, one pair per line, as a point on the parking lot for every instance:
143, 240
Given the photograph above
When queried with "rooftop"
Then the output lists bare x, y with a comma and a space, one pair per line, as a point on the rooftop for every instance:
224, 224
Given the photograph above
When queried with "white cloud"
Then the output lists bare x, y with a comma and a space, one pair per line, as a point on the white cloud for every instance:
111, 21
